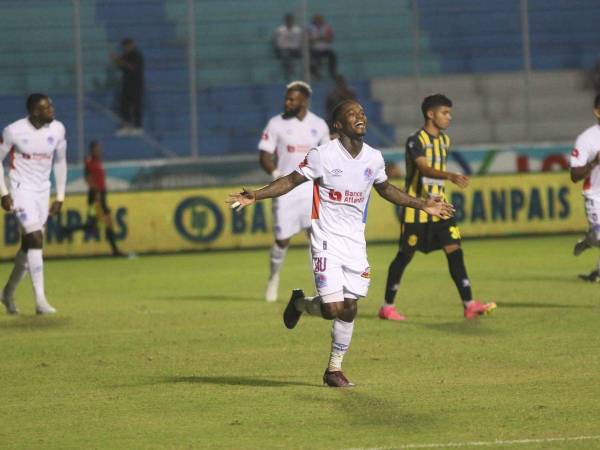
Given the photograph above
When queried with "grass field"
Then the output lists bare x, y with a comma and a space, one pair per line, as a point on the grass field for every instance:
182, 352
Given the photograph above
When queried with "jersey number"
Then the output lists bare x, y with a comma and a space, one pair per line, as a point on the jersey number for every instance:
454, 233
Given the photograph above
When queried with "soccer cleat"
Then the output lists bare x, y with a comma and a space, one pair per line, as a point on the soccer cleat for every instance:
593, 276
388, 312
336, 379
44, 308
581, 246
291, 315
476, 309
9, 304
272, 288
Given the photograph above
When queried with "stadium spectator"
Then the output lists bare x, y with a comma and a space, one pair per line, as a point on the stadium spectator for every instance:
98, 210
342, 173
131, 63
337, 95
288, 137
585, 159
287, 44
36, 143
426, 153
321, 47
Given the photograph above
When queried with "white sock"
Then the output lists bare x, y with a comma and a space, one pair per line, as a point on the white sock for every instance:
309, 305
277, 257
341, 335
17, 274
36, 270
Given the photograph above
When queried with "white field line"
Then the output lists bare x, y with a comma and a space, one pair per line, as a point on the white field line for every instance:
484, 443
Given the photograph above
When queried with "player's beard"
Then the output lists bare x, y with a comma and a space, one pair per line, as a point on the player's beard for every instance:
292, 113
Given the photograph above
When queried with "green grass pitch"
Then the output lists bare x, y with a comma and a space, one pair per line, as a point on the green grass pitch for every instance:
182, 352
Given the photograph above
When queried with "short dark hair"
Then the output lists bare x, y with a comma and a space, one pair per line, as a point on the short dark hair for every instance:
597, 102
127, 41
337, 110
33, 100
434, 101
93, 143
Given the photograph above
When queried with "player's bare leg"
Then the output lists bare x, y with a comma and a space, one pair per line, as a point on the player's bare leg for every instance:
342, 313
18, 273
34, 242
278, 252
458, 272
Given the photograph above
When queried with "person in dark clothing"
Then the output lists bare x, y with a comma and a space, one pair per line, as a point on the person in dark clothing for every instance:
338, 94
131, 63
98, 210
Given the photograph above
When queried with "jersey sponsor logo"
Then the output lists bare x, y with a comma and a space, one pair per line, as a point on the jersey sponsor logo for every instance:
412, 240
354, 197
297, 148
37, 156
335, 195
575, 152
319, 264
368, 174
366, 273
336, 172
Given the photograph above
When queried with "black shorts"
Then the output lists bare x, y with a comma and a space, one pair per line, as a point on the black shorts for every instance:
430, 236
99, 196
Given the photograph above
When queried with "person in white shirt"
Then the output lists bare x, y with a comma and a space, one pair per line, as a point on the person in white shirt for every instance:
287, 44
283, 145
585, 160
34, 144
342, 174
321, 47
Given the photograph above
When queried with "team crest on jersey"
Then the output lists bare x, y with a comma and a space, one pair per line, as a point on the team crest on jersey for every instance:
366, 273
575, 152
50, 140
314, 132
368, 174
320, 280
412, 240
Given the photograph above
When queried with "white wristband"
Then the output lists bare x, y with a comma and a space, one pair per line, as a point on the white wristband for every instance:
276, 174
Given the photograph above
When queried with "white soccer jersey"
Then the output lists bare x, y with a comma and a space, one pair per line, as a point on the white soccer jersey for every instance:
31, 152
586, 148
342, 186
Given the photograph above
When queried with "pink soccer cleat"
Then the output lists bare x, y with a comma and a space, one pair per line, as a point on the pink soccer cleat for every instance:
389, 312
476, 309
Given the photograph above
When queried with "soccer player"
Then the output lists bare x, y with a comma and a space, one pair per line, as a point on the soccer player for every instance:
287, 138
426, 153
585, 158
98, 210
34, 144
342, 173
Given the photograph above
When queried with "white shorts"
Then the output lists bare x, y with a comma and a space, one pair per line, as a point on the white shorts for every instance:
30, 208
336, 279
290, 216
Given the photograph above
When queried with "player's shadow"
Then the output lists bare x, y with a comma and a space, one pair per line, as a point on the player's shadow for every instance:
471, 327
209, 298
237, 381
35, 322
544, 305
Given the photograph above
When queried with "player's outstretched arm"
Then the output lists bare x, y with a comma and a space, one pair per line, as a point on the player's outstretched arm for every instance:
434, 207
581, 173
462, 181
274, 189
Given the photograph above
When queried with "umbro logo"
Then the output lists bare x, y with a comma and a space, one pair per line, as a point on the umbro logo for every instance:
337, 172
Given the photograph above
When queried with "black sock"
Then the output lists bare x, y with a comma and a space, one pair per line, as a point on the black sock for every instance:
110, 236
395, 274
458, 272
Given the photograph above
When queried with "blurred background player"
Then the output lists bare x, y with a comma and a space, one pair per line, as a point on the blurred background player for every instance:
131, 63
426, 154
284, 144
585, 158
320, 34
343, 171
98, 210
34, 143
287, 44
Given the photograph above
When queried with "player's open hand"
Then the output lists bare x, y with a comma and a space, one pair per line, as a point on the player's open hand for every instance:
55, 208
241, 199
439, 208
7, 202
462, 181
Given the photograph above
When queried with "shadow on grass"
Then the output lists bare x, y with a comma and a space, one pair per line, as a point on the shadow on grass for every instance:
237, 381
471, 327
543, 305
210, 298
35, 322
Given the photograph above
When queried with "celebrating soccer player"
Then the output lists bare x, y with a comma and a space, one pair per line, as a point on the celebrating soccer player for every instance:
426, 154
34, 143
342, 174
288, 137
585, 158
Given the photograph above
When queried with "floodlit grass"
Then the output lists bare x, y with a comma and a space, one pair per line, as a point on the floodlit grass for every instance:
182, 352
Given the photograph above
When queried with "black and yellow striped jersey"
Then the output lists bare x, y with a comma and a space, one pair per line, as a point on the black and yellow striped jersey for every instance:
435, 149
